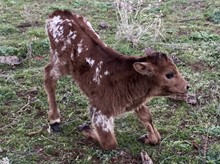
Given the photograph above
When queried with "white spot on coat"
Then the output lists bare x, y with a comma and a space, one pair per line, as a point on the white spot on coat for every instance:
72, 35
63, 48
55, 72
79, 49
68, 41
97, 77
72, 55
101, 120
90, 61
106, 73
55, 28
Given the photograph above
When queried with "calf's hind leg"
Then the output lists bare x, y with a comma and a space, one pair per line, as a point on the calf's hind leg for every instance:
102, 130
52, 73
144, 115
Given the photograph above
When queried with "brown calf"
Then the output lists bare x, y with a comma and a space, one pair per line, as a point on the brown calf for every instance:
114, 83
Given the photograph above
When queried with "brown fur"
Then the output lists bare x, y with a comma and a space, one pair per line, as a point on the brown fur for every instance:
114, 83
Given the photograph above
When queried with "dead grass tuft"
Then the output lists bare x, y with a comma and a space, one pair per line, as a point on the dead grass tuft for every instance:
136, 21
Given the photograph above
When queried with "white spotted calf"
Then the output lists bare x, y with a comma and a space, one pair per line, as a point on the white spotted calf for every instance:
114, 83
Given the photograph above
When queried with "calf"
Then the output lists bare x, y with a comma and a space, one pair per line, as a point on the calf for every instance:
114, 83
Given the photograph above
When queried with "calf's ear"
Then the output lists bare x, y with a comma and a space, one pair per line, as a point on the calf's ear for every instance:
143, 68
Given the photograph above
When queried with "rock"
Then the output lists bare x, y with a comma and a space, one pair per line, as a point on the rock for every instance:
103, 25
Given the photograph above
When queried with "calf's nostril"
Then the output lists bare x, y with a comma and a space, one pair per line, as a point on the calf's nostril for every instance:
187, 87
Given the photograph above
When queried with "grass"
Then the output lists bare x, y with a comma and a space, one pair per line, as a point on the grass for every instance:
191, 134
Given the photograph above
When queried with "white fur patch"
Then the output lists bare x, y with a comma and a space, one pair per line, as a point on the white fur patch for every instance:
72, 35
55, 58
55, 72
63, 48
106, 73
72, 55
100, 120
55, 121
68, 41
69, 22
97, 77
90, 61
55, 28
80, 47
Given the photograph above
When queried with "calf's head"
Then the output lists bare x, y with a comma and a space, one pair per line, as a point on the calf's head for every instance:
162, 72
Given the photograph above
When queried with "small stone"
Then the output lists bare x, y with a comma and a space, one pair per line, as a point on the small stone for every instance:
103, 25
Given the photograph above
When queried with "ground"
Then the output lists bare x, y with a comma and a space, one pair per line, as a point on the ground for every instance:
190, 133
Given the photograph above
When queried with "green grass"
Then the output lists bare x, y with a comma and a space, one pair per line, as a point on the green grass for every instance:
191, 134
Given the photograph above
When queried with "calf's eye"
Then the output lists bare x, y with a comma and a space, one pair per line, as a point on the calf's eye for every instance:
169, 75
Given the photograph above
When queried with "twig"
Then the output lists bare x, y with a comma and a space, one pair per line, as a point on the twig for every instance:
49, 139
166, 139
15, 120
167, 159
205, 148
44, 127
192, 19
22, 109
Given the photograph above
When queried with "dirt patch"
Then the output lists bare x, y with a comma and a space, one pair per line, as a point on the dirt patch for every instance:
198, 66
121, 156
125, 158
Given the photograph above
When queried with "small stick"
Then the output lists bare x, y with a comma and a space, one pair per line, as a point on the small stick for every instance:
205, 148
38, 131
49, 139
25, 106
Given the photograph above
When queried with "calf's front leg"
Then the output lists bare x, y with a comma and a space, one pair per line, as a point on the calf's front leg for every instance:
144, 115
102, 129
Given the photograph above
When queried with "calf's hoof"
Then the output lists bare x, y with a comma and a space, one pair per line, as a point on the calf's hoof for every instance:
146, 140
142, 138
86, 130
55, 127
84, 127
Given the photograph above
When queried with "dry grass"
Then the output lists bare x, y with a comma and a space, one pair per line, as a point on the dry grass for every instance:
135, 22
